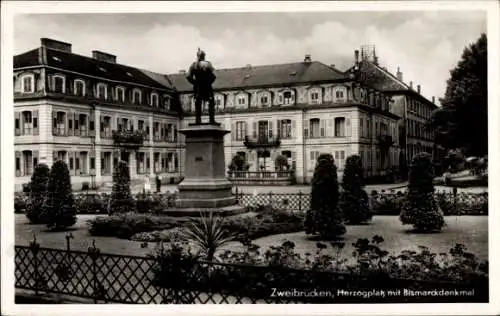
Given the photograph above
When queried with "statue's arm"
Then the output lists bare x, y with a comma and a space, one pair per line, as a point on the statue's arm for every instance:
189, 75
213, 72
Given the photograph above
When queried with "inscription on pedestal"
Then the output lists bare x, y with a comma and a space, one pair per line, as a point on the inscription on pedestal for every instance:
198, 158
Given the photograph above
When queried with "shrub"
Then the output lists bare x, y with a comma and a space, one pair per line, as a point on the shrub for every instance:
208, 233
125, 225
281, 163
387, 204
353, 199
19, 202
150, 203
466, 203
293, 176
91, 204
421, 209
38, 194
60, 211
238, 163
121, 196
324, 217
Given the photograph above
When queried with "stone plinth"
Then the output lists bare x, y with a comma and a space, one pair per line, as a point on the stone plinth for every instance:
205, 186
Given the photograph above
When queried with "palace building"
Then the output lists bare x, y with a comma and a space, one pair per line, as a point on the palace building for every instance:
92, 112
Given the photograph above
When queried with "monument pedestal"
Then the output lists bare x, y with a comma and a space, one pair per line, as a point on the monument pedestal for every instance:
205, 187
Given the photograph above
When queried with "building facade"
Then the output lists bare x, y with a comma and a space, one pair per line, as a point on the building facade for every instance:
92, 112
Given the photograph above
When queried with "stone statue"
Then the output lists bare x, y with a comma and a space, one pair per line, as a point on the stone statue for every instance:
201, 76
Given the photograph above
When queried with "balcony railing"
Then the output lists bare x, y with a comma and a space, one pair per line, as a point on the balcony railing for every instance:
261, 141
129, 138
260, 177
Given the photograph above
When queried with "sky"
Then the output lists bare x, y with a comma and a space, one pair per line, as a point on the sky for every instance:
426, 45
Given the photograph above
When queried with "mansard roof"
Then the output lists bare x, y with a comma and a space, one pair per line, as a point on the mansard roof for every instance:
84, 65
266, 76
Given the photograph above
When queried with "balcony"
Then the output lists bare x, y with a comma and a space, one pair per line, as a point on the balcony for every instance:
261, 141
129, 138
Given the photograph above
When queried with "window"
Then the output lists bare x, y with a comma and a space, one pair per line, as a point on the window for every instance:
106, 163
218, 101
339, 127
241, 130
288, 98
28, 83
140, 125
59, 124
339, 159
313, 157
27, 123
79, 88
83, 158
314, 97
314, 129
361, 126
102, 91
285, 129
156, 131
82, 120
140, 161
242, 100
166, 102
136, 96
27, 162
58, 84
154, 100
338, 93
120, 94
264, 100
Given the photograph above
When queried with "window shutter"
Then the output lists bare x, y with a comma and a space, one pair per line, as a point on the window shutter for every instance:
92, 156
305, 123
18, 156
101, 125
35, 119
92, 124
278, 128
233, 131
254, 129
322, 124
22, 123
117, 123
67, 116
54, 123
245, 126
270, 129
17, 117
347, 127
293, 129
77, 165
131, 125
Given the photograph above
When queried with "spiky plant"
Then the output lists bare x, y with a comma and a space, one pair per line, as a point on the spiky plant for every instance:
208, 234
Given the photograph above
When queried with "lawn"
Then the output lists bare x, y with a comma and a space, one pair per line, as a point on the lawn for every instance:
472, 231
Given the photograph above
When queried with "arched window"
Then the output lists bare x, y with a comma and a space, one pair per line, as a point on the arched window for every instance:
154, 99
79, 87
58, 84
102, 91
28, 83
136, 96
120, 94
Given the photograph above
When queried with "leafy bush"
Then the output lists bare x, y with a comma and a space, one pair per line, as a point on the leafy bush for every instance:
125, 225
121, 196
19, 202
149, 203
166, 235
388, 203
281, 163
466, 203
60, 211
324, 217
91, 204
353, 199
38, 194
421, 209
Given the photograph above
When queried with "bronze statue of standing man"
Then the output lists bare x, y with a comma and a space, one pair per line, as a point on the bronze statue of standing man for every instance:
201, 76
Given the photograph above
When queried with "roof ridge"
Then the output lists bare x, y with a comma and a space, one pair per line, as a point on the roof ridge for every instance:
394, 78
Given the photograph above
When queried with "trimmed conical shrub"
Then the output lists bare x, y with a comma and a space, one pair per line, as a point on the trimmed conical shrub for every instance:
421, 209
354, 200
60, 210
121, 196
37, 194
324, 218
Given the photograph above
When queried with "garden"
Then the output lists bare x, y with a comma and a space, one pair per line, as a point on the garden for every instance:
419, 234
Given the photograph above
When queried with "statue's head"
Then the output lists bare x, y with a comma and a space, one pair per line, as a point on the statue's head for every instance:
200, 54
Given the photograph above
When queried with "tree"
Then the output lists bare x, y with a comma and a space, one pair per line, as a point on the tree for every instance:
465, 103
38, 194
281, 163
238, 163
121, 196
60, 210
420, 208
354, 200
324, 217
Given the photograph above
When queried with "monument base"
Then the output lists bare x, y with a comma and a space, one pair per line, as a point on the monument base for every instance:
197, 212
205, 187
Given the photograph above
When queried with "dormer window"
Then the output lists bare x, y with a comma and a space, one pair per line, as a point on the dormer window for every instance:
136, 96
264, 100
28, 83
102, 91
219, 102
339, 94
120, 94
287, 97
154, 100
166, 102
242, 100
79, 88
58, 82
315, 97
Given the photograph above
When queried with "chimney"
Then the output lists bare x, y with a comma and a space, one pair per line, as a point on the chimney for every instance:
102, 56
182, 72
399, 75
418, 88
307, 59
248, 66
433, 99
50, 43
356, 57
411, 85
